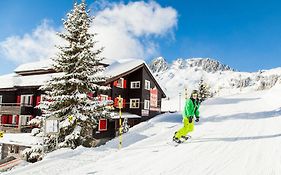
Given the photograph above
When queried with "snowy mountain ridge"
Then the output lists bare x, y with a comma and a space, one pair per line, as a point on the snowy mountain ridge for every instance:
183, 75
207, 69
207, 64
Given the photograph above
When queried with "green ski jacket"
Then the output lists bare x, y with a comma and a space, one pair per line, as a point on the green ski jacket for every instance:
191, 108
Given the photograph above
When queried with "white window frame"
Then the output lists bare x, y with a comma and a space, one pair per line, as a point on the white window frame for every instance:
1, 100
14, 119
26, 100
122, 83
103, 97
136, 101
146, 84
135, 84
146, 104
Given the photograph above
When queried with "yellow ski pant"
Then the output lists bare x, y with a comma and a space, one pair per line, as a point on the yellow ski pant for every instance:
187, 127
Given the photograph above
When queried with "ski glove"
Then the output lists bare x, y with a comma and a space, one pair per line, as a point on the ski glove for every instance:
197, 119
190, 119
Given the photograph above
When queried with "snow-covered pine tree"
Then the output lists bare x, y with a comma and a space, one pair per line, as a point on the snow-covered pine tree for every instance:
79, 64
204, 90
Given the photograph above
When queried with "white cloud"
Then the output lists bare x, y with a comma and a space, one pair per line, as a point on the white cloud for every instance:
125, 30
35, 46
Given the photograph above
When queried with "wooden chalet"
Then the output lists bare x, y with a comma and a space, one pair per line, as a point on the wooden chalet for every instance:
133, 81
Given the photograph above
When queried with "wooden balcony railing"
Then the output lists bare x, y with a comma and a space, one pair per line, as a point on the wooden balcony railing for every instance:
13, 108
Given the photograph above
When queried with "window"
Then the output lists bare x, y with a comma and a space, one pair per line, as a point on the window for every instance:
135, 84
135, 103
120, 83
26, 100
147, 85
1, 99
103, 97
146, 104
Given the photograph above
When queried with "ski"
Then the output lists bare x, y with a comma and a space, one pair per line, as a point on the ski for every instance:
182, 140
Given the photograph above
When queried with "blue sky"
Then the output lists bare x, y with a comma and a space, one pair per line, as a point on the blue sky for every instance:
245, 34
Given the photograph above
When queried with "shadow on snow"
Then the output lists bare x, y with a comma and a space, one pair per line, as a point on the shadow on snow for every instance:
223, 101
234, 139
245, 116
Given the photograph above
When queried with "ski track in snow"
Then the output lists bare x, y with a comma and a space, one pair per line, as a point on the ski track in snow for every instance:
241, 136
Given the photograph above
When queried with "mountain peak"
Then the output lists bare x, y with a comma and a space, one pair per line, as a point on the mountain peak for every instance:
158, 64
208, 64
179, 63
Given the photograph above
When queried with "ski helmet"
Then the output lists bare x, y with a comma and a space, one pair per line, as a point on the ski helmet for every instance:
194, 92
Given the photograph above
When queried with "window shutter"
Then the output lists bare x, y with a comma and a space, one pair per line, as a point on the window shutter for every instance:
38, 99
116, 102
115, 83
102, 125
3, 119
124, 103
17, 119
10, 119
18, 99
125, 84
31, 100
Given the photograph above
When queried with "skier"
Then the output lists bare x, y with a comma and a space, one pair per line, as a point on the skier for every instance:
191, 109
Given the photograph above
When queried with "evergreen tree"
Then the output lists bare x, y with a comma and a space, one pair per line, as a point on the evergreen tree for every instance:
79, 66
204, 91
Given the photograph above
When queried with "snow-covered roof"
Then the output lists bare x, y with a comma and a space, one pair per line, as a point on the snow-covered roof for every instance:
25, 139
46, 65
34, 80
14, 80
38, 65
120, 68
7, 81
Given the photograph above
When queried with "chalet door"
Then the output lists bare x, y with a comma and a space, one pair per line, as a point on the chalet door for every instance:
24, 119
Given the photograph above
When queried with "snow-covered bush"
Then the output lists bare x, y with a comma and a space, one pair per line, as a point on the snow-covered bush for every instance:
33, 154
35, 131
36, 122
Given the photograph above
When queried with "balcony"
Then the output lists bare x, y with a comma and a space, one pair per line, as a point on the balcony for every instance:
15, 109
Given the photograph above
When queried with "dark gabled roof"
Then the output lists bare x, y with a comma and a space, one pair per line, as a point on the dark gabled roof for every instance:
114, 72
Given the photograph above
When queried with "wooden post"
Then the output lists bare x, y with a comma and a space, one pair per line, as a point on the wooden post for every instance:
19, 124
120, 105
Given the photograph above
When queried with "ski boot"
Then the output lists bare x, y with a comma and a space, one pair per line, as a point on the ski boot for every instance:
186, 137
176, 140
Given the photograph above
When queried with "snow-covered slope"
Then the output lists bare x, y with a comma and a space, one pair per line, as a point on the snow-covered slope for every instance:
184, 74
238, 134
